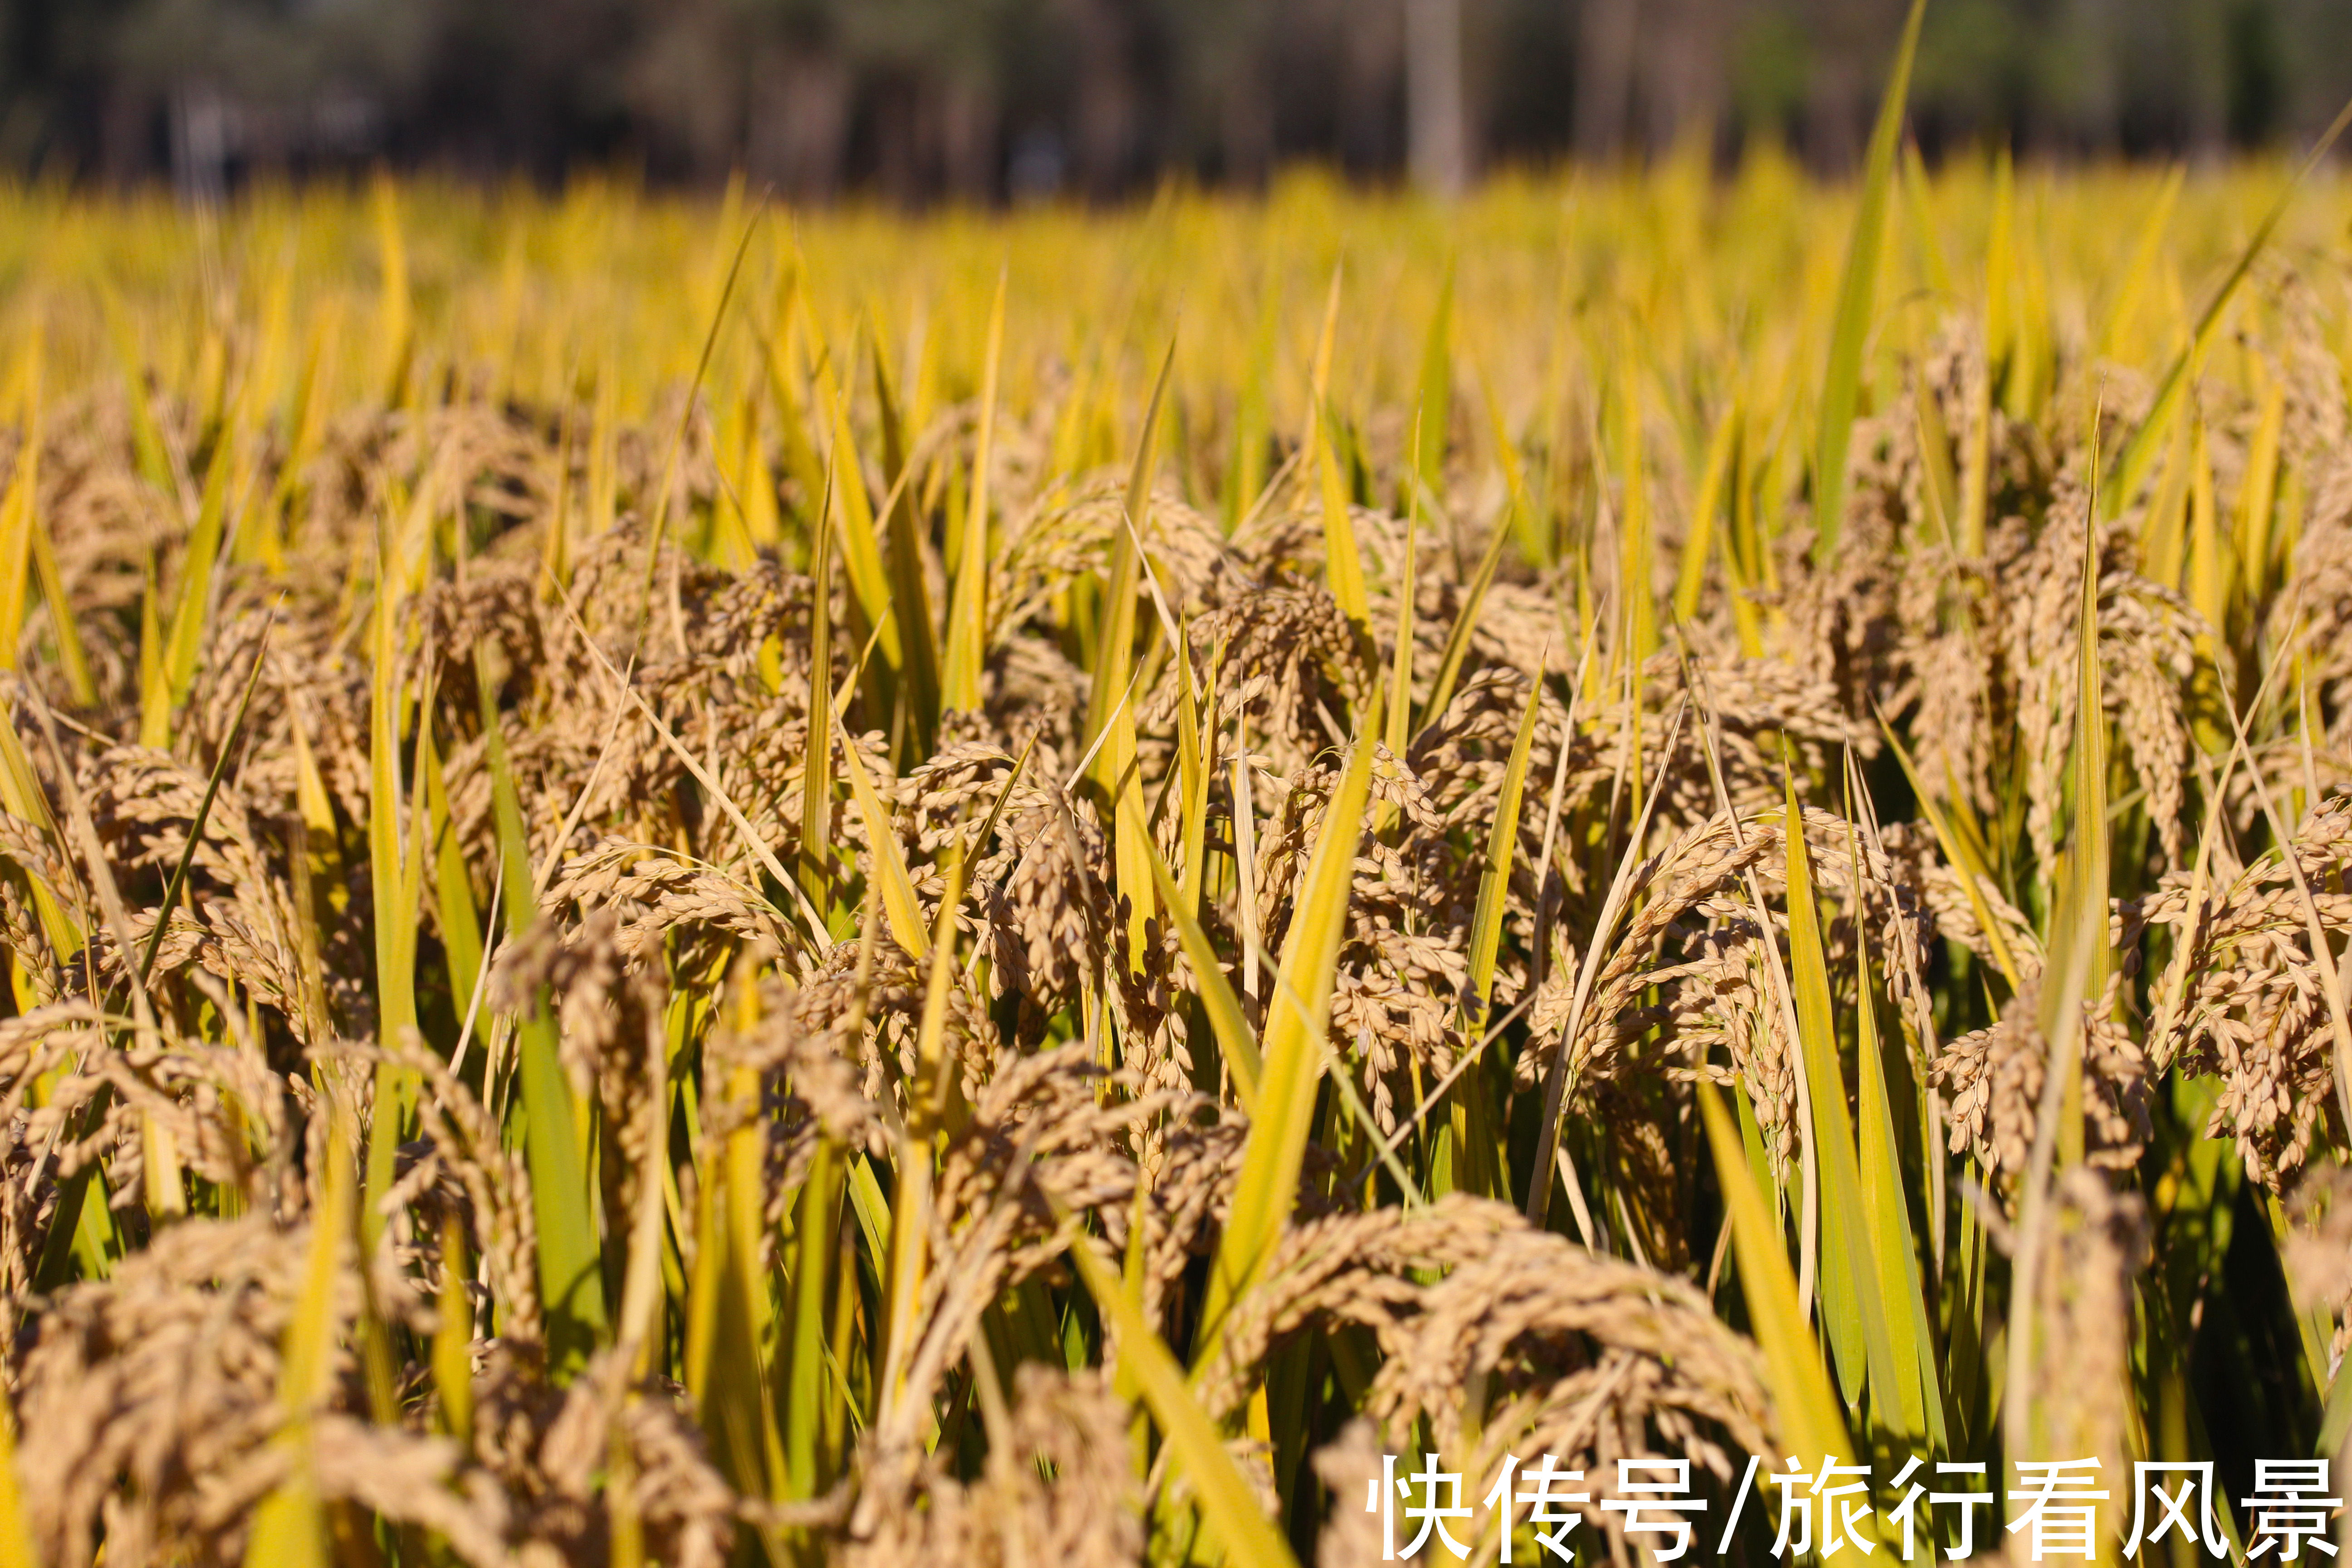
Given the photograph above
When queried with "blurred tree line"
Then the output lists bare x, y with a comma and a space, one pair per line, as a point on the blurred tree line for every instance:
986, 100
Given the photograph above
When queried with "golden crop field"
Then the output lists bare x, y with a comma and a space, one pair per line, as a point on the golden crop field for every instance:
698, 884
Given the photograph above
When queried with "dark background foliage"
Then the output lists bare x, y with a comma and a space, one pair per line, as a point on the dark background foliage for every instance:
986, 100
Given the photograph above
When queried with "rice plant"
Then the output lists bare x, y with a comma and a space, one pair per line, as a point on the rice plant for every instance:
689, 884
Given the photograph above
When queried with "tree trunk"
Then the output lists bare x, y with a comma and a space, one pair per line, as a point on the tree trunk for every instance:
1437, 128
968, 125
1682, 69
1604, 75
799, 131
1102, 130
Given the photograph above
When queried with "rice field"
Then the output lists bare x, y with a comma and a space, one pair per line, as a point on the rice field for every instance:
687, 883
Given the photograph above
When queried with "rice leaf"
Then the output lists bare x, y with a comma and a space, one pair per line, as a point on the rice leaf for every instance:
1915, 1396
1399, 698
2076, 972
571, 1271
395, 315
909, 599
2073, 977
815, 852
390, 863
1857, 295
2121, 485
20, 514
191, 607
1495, 879
1236, 1039
861, 556
24, 530
1343, 567
1716, 477
16, 1536
1435, 401
889, 860
2258, 493
1294, 1053
808, 1390
291, 1526
1230, 1506
968, 611
453, 885
1110, 716
1855, 1314
1806, 1411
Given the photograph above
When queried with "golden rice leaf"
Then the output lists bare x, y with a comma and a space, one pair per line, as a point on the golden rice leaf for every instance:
2258, 488
1435, 402
968, 609
1914, 1407
389, 880
889, 859
2076, 972
1495, 879
290, 1527
16, 1535
861, 554
1110, 713
1698, 541
18, 514
1293, 1052
2122, 484
1227, 1503
1235, 1038
395, 320
1805, 1411
909, 599
1854, 1313
571, 1276
1857, 295
815, 853
191, 608
1343, 567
